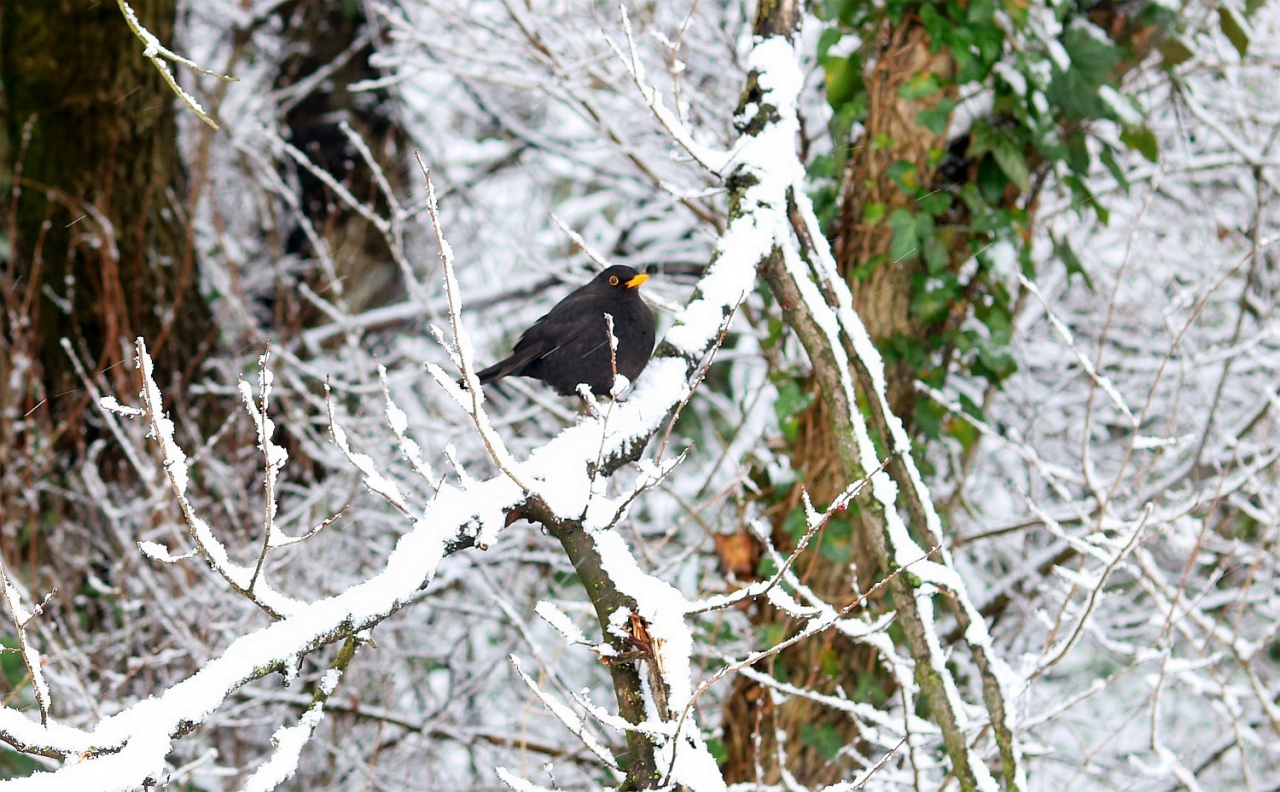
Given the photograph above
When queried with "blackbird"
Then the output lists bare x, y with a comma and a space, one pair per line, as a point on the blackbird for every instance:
570, 343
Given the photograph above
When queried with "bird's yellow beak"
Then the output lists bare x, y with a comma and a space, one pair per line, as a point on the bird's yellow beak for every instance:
636, 281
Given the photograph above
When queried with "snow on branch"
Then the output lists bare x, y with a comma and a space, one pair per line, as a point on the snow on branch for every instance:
156, 52
242, 579
22, 617
130, 747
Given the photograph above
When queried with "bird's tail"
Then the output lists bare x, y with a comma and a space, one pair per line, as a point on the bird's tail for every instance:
492, 374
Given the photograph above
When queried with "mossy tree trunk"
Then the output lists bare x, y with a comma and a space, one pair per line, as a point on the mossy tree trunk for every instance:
96, 226
100, 240
904, 153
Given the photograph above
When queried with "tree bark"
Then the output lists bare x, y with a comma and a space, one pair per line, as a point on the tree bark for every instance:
883, 301
100, 249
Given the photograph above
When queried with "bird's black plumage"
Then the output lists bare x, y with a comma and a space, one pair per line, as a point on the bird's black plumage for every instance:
570, 343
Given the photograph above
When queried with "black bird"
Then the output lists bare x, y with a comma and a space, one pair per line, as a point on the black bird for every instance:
570, 343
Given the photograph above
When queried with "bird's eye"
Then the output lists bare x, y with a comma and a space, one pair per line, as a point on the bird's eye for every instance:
613, 280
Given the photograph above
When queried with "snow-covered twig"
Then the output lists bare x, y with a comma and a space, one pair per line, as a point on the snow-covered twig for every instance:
712, 160
289, 740
241, 579
22, 618
154, 51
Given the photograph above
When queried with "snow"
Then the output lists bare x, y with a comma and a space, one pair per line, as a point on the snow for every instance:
1012, 77
562, 623
1124, 110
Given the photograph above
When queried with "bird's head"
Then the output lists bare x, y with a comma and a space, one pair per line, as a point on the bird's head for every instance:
620, 281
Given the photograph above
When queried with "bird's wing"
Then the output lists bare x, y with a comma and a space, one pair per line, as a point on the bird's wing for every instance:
537, 343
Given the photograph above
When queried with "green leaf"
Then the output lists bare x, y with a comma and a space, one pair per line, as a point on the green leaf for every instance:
1070, 260
1108, 158
904, 175
905, 246
927, 419
935, 255
824, 739
938, 118
873, 212
963, 431
920, 85
1084, 198
935, 203
837, 542
829, 38
715, 747
870, 687
16, 765
991, 181
971, 407
1072, 92
931, 305
1010, 159
843, 79
796, 525
984, 138
790, 402
829, 660
1092, 53
1077, 153
1075, 91
1174, 51
1234, 28
1143, 141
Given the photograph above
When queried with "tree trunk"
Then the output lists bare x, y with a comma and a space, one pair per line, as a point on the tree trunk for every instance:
99, 244
883, 297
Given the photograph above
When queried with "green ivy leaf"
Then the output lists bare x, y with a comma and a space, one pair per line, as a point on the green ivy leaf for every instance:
824, 739
1108, 158
1009, 157
1142, 140
920, 85
829, 38
843, 79
935, 203
938, 118
905, 245
963, 431
873, 212
904, 175
1070, 260
1174, 51
1234, 28
1092, 53
790, 402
